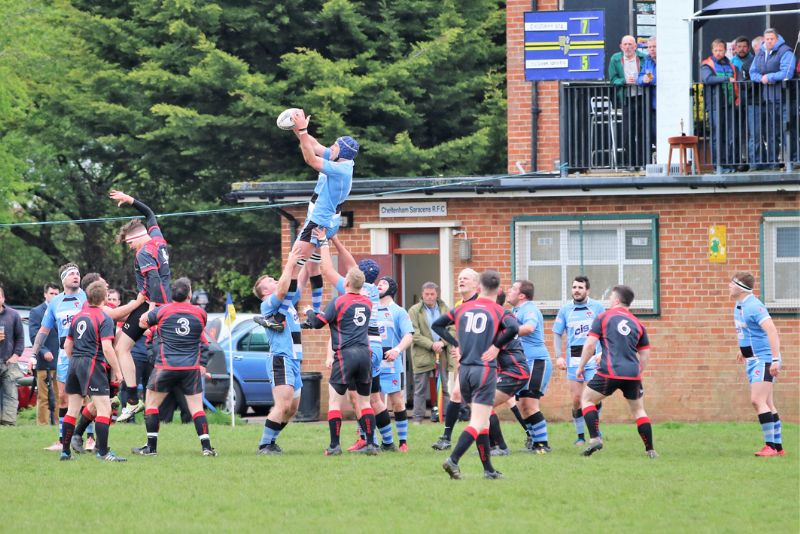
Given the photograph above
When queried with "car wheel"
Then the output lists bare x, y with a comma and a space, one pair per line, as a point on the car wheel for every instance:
239, 404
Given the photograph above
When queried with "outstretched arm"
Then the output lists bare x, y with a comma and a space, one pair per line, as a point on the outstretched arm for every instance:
286, 276
346, 260
312, 150
326, 268
141, 207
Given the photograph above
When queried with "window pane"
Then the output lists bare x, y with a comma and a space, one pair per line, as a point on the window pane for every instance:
602, 279
419, 241
638, 245
787, 281
546, 282
545, 245
258, 341
598, 245
788, 245
640, 279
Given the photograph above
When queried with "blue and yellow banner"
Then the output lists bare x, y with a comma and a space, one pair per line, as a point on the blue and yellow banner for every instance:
564, 45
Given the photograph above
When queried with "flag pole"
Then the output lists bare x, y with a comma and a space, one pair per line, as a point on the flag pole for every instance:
230, 372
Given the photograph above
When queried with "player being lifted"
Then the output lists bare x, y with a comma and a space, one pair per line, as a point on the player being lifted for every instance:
481, 334
151, 266
623, 337
89, 347
335, 167
180, 363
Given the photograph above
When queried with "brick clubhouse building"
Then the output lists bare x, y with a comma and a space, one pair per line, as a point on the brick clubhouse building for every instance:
676, 240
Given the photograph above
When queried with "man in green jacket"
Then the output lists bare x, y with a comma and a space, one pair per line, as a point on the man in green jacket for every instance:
623, 69
427, 349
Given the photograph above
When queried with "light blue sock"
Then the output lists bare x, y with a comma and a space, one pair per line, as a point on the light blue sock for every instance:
580, 425
540, 432
767, 426
401, 422
90, 429
776, 430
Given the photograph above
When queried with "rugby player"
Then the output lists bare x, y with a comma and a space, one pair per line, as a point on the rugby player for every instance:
397, 334
335, 167
151, 265
89, 348
760, 348
575, 318
347, 317
481, 334
180, 363
371, 270
60, 312
512, 378
287, 354
531, 334
467, 282
623, 337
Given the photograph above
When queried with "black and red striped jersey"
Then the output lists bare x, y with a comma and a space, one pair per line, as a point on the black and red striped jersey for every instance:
511, 359
477, 323
622, 336
179, 327
348, 318
89, 328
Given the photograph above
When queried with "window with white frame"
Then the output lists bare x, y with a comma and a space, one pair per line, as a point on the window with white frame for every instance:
780, 246
551, 252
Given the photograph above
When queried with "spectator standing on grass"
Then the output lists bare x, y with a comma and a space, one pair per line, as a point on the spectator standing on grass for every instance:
12, 344
427, 348
45, 359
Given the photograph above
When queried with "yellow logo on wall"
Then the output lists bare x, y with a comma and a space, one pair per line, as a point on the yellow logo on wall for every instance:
718, 244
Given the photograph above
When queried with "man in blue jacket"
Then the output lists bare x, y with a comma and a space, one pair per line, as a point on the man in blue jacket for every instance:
647, 77
774, 63
45, 359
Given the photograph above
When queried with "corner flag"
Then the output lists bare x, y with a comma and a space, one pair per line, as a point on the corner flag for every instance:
230, 310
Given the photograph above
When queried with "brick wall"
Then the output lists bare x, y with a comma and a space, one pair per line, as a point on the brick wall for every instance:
519, 97
693, 376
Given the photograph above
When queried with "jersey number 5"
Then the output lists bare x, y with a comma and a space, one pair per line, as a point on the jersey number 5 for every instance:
360, 316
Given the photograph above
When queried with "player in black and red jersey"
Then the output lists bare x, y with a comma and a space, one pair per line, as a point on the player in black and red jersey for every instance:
89, 346
151, 266
512, 377
180, 363
481, 334
626, 350
351, 364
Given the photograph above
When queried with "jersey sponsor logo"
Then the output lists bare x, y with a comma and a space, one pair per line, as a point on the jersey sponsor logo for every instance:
581, 330
94, 390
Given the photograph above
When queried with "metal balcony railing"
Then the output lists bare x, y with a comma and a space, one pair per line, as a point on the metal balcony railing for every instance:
740, 125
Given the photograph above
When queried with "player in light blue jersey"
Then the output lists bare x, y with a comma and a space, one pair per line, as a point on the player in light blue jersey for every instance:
370, 290
575, 318
760, 348
531, 334
287, 354
60, 312
397, 334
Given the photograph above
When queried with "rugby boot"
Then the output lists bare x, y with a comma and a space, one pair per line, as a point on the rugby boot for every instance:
270, 449
497, 451
333, 451
270, 323
358, 445
652, 454
442, 444
129, 411
77, 444
110, 456
389, 447
144, 451
65, 457
209, 452
452, 469
767, 451
492, 475
595, 444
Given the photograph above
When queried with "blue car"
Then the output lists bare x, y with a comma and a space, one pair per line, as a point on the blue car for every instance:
252, 386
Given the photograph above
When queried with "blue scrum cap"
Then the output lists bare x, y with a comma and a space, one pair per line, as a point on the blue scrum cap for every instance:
371, 270
348, 148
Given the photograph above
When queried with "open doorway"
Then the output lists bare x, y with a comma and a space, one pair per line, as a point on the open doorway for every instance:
416, 260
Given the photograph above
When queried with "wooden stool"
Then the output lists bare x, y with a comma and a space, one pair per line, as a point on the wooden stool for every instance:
684, 143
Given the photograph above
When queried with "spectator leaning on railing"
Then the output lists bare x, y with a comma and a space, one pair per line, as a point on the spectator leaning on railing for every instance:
45, 359
623, 71
721, 95
12, 343
743, 57
773, 64
647, 77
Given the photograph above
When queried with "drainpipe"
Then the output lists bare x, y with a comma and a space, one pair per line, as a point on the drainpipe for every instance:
534, 114
293, 224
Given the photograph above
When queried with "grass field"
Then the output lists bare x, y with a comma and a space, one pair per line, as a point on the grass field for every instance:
706, 480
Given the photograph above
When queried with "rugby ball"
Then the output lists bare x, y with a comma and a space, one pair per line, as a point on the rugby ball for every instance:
285, 121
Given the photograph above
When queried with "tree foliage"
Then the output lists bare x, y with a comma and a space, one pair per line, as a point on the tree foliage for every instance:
173, 100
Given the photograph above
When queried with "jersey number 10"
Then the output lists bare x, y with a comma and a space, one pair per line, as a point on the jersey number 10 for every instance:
476, 324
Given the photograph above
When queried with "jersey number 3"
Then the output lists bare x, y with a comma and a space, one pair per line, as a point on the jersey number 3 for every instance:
183, 327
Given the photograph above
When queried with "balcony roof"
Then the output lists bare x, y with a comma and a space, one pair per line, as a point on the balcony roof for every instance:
526, 185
